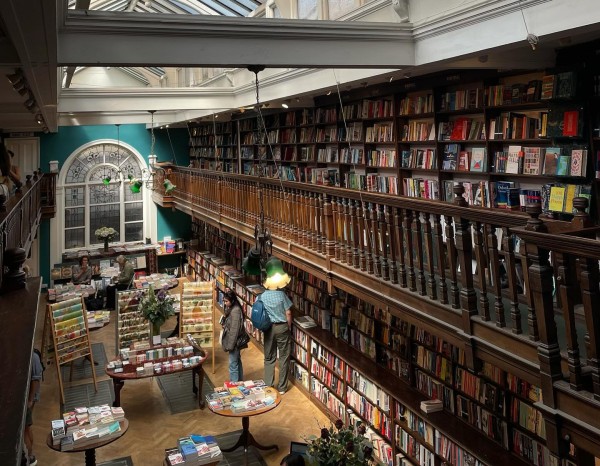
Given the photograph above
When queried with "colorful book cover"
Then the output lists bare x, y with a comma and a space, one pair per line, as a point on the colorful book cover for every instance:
478, 159
463, 161
532, 160
557, 198
563, 165
570, 123
551, 160
514, 162
450, 160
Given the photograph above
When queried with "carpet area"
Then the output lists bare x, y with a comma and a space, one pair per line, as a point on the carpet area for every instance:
236, 457
82, 369
84, 395
177, 391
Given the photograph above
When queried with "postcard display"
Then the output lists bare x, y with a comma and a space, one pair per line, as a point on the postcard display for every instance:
68, 321
197, 314
132, 326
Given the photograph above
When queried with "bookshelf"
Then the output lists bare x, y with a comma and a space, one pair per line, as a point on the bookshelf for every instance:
213, 147
489, 131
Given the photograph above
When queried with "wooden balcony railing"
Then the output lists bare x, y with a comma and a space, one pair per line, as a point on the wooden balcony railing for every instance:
483, 277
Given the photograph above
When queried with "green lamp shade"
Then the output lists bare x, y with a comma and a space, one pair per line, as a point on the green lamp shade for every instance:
106, 181
251, 264
135, 187
169, 187
276, 277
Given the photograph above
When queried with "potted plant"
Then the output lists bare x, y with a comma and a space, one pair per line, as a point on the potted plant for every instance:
157, 307
341, 445
106, 234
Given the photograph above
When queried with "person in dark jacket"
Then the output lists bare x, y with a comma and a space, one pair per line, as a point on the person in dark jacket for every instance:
232, 326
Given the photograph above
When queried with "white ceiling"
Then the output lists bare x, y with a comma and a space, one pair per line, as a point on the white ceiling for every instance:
38, 36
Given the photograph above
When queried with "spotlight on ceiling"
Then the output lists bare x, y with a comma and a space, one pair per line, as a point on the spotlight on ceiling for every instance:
15, 77
329, 92
285, 104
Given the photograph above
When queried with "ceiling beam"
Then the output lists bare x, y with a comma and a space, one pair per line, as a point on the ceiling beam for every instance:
172, 40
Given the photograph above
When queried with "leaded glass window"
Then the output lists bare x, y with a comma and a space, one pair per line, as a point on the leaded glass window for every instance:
97, 195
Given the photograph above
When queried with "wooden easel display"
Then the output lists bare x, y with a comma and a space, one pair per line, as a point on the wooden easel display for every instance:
197, 313
131, 326
70, 333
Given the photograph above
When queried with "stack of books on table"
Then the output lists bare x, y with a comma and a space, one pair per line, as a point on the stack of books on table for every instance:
194, 450
97, 319
432, 406
242, 396
84, 426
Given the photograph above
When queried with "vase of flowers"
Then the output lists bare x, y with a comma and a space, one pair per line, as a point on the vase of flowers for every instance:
106, 234
341, 445
157, 307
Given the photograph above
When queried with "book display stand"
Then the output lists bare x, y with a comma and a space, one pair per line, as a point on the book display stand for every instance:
197, 314
70, 333
131, 326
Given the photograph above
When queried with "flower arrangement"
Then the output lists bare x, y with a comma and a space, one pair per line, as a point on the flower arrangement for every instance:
106, 233
341, 445
157, 307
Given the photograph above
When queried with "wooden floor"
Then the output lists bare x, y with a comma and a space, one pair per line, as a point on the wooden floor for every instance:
151, 426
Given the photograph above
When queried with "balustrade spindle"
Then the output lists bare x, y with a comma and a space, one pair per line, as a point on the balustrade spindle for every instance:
510, 267
482, 267
361, 236
313, 222
453, 263
440, 249
320, 225
342, 206
368, 236
589, 278
348, 230
329, 229
431, 285
303, 217
296, 216
464, 248
566, 288
384, 242
418, 244
408, 250
335, 206
391, 238
355, 234
399, 241
376, 243
494, 264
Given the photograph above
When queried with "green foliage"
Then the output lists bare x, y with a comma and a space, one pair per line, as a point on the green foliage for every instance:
157, 307
341, 446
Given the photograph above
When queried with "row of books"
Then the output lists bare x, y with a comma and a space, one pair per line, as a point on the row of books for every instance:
551, 161
84, 426
248, 395
194, 450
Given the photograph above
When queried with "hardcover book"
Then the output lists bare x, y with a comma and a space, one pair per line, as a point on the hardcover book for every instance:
563, 165
450, 160
551, 160
514, 163
578, 162
532, 160
557, 198
478, 159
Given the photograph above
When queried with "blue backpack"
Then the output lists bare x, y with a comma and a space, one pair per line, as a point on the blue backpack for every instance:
259, 317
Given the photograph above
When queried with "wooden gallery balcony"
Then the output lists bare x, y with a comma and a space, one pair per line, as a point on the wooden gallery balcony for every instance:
509, 288
20, 217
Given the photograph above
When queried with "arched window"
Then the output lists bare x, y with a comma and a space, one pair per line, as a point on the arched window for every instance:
97, 194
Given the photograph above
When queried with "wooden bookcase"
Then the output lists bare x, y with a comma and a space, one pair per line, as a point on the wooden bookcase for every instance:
418, 137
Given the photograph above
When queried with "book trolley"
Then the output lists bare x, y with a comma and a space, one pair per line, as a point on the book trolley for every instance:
131, 326
197, 314
70, 333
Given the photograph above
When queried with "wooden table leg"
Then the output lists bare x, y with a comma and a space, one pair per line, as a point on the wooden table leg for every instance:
117, 385
200, 371
90, 457
246, 439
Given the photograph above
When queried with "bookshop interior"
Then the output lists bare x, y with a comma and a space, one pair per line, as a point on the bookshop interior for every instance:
408, 191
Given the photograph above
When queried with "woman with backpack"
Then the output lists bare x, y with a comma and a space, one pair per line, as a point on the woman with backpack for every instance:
234, 337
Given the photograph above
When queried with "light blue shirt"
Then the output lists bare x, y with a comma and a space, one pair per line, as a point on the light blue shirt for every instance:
276, 303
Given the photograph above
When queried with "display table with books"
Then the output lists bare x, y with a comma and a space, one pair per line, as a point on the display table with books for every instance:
143, 360
85, 429
244, 399
196, 450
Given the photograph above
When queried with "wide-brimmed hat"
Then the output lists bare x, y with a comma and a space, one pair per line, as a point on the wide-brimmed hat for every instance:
277, 278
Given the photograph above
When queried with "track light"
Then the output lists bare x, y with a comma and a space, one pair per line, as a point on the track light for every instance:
15, 77
285, 104
30, 103
23, 91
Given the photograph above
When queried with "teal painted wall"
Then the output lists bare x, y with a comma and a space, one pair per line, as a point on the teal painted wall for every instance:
169, 146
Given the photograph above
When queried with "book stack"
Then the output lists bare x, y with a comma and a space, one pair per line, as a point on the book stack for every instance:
85, 426
194, 450
305, 322
243, 396
432, 406
59, 431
